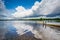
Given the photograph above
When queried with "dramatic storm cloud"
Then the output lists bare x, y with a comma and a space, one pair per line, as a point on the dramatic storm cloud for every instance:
45, 7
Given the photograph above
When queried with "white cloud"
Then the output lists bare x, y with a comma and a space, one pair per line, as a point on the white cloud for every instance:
35, 6
44, 7
48, 6
22, 12
20, 9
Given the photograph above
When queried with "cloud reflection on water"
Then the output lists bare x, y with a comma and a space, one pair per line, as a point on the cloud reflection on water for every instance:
21, 27
39, 32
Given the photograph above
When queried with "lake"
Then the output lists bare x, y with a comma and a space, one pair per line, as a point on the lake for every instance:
9, 30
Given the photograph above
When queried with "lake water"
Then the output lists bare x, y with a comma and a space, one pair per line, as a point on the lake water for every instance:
13, 29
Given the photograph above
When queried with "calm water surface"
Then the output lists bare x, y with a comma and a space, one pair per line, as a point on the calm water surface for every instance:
12, 29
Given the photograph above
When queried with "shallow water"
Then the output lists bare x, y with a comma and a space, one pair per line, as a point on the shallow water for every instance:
12, 29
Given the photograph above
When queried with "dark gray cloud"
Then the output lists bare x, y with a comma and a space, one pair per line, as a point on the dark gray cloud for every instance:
55, 13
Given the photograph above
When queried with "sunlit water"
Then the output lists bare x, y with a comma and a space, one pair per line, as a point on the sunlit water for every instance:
11, 29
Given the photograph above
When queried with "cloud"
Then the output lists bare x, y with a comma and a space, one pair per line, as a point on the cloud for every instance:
55, 13
45, 7
4, 12
35, 6
22, 12
2, 9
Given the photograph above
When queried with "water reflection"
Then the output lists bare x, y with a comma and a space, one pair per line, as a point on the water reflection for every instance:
13, 29
3, 29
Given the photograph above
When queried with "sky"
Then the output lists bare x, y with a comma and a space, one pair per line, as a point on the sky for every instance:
30, 8
11, 4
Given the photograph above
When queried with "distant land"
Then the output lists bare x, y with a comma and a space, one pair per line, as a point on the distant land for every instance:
31, 19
